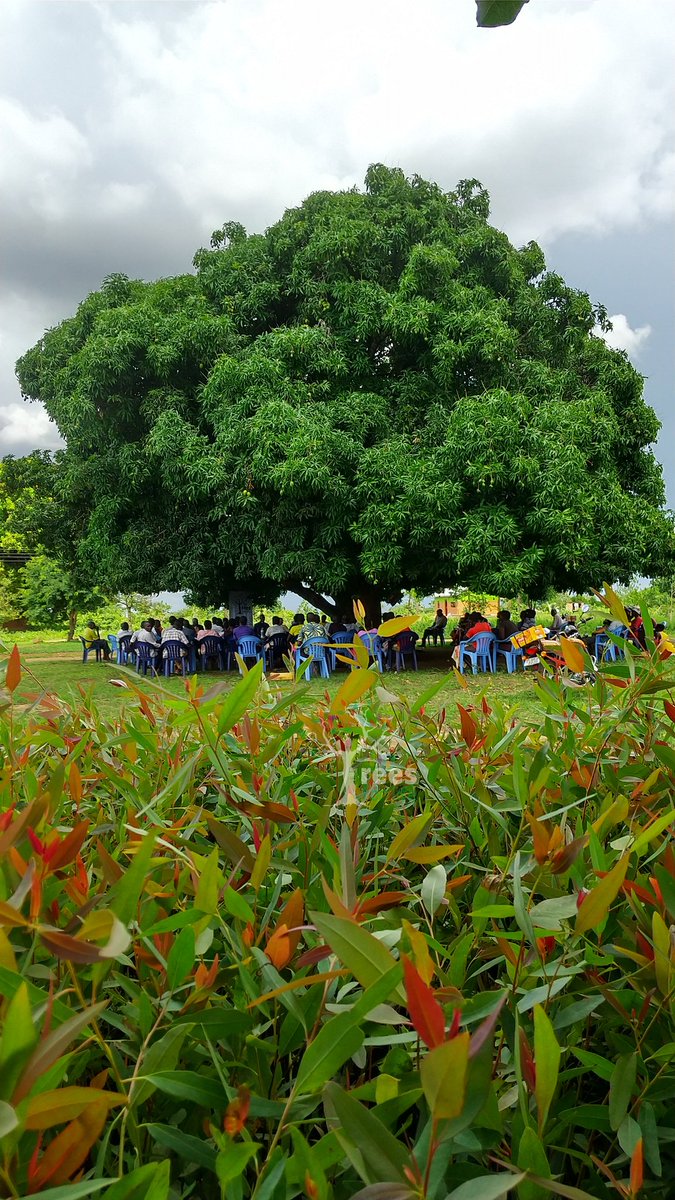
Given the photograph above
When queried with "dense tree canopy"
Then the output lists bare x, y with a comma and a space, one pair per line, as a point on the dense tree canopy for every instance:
378, 393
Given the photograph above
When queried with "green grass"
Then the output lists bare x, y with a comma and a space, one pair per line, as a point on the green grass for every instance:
56, 667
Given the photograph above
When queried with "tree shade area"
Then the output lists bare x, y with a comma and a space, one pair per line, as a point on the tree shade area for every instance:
378, 393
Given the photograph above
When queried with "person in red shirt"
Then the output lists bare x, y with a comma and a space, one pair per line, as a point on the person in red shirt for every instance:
477, 624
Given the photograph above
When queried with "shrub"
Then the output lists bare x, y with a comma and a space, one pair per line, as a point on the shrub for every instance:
253, 946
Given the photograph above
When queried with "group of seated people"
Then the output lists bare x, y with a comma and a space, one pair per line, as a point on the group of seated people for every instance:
226, 634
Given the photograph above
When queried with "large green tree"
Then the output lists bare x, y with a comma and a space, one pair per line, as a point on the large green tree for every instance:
380, 392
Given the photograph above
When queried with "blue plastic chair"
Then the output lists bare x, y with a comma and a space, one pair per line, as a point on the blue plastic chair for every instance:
604, 650
210, 649
171, 653
125, 652
86, 651
315, 650
373, 644
482, 656
249, 647
405, 645
114, 646
341, 639
512, 656
144, 659
274, 650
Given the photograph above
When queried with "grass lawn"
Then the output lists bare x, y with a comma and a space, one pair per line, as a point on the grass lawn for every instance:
57, 667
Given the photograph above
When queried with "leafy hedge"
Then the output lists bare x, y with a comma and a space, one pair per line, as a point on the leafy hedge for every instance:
256, 945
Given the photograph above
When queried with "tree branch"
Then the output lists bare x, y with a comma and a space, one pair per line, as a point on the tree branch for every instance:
320, 602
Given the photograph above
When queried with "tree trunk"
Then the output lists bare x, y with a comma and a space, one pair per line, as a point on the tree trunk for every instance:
367, 593
319, 602
72, 622
370, 598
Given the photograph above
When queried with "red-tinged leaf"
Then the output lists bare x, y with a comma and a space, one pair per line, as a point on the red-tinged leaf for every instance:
69, 848
468, 726
237, 1111
540, 837
563, 859
11, 918
425, 1011
636, 1168
13, 676
146, 709
292, 916
670, 709
335, 903
278, 948
617, 683
311, 957
485, 1029
267, 810
75, 783
69, 948
323, 977
527, 1061
66, 1153
384, 900
63, 1104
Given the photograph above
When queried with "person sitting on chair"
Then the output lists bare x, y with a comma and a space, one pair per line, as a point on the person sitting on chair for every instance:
174, 633
260, 628
557, 622
242, 629
296, 627
437, 629
505, 629
478, 625
147, 635
276, 640
93, 640
311, 628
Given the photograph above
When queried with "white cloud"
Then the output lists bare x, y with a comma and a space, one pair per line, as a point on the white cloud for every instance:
622, 337
25, 427
128, 131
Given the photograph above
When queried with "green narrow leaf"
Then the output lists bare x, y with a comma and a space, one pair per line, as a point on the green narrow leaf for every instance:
335, 1042
383, 1156
433, 888
597, 903
523, 919
532, 1157
151, 1182
237, 701
621, 1088
443, 1074
547, 1063
19, 1036
181, 958
650, 1138
232, 1160
366, 957
192, 1149
487, 1187
661, 940
124, 895
8, 1119
189, 1085
76, 1191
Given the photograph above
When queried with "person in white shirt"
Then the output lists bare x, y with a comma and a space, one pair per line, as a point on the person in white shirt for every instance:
557, 622
146, 635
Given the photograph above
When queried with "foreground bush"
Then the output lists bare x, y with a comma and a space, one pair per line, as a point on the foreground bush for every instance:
253, 945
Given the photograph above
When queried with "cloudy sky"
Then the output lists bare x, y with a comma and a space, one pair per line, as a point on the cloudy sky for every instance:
129, 130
